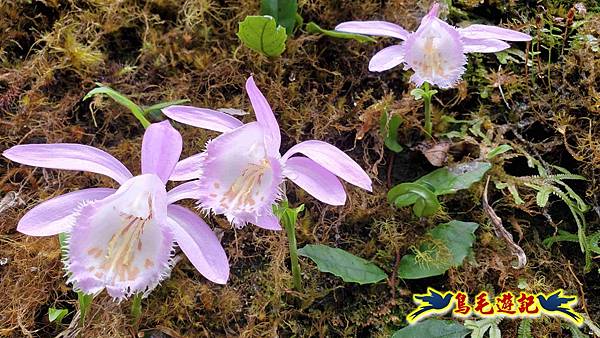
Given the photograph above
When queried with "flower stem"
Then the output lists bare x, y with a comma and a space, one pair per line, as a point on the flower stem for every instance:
136, 307
427, 105
290, 228
288, 216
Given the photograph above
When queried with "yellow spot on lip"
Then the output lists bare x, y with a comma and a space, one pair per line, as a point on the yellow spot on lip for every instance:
95, 252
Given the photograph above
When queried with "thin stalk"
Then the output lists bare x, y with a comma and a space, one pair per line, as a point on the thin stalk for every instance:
136, 308
427, 106
290, 228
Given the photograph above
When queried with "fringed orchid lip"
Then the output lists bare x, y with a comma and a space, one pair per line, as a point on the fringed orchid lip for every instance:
121, 240
435, 51
241, 172
240, 180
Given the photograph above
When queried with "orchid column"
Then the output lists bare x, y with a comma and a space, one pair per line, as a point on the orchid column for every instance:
436, 51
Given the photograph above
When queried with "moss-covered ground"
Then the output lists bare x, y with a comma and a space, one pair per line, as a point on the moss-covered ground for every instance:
544, 103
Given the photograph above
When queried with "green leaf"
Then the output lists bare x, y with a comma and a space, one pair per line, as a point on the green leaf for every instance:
136, 307
433, 328
417, 93
262, 34
85, 303
424, 200
283, 11
542, 196
447, 247
389, 128
57, 314
156, 107
343, 264
121, 99
499, 150
313, 28
450, 180
286, 214
524, 330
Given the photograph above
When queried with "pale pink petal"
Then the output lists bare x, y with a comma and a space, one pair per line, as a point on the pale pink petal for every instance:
240, 180
484, 45
185, 190
202, 118
315, 180
122, 242
492, 32
161, 148
387, 58
199, 243
265, 117
376, 28
57, 214
69, 156
269, 222
334, 160
435, 53
188, 169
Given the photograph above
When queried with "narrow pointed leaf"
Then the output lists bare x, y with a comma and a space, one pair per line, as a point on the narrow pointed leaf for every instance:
313, 28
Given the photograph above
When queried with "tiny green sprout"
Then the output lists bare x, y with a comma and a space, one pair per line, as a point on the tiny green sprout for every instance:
56, 315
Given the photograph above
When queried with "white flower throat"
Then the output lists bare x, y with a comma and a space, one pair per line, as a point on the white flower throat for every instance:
242, 193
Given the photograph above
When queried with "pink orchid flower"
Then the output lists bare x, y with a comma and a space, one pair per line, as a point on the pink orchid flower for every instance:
436, 51
122, 239
241, 171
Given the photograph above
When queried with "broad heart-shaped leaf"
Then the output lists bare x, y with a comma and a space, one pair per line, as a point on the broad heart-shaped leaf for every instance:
447, 247
433, 328
424, 200
343, 264
262, 34
283, 11
446, 180
313, 28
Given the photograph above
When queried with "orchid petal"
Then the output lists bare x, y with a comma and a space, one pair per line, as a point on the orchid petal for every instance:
334, 160
183, 191
315, 180
387, 58
376, 28
269, 222
57, 214
484, 45
189, 168
202, 118
240, 180
199, 243
265, 117
122, 242
492, 32
69, 156
161, 148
